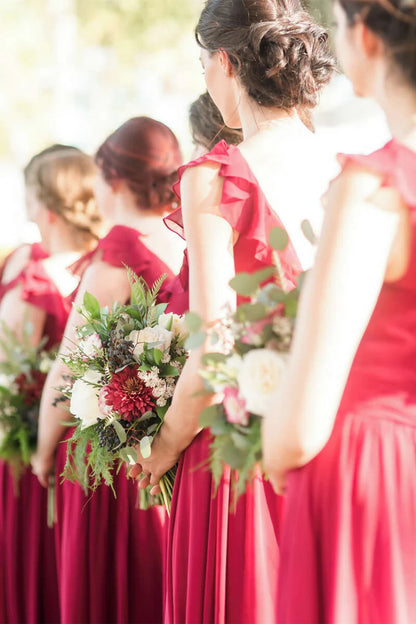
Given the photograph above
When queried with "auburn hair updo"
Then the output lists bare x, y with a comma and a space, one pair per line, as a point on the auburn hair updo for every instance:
146, 155
280, 55
394, 21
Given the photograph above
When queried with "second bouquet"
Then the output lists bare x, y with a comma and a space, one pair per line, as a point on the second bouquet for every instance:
124, 370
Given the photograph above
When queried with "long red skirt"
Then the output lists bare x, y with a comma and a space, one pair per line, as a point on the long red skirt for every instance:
28, 574
222, 566
110, 554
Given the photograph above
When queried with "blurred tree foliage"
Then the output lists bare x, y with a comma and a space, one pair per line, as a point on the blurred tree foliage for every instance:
131, 25
322, 10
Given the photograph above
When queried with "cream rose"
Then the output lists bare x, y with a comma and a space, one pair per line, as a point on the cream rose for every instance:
159, 335
175, 323
259, 378
84, 399
91, 346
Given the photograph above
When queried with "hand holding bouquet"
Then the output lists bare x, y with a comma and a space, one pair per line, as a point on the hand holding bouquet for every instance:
247, 374
125, 368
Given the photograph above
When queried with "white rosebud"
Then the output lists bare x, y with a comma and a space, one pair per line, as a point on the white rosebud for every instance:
162, 337
259, 378
84, 399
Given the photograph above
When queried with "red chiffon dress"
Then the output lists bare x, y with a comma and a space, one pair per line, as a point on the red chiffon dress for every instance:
349, 537
28, 574
110, 553
222, 565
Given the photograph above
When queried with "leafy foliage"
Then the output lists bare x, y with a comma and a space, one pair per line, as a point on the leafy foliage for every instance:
262, 326
125, 367
22, 375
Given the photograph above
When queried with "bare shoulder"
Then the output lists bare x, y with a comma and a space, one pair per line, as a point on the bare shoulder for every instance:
357, 183
107, 283
201, 189
16, 263
205, 172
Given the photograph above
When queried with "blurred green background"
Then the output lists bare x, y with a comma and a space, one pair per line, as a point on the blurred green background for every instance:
73, 70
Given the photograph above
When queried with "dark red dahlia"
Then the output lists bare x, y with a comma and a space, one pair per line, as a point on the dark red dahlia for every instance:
31, 387
128, 395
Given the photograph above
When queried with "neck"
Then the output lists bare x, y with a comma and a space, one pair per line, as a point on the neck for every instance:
399, 105
254, 117
60, 241
125, 211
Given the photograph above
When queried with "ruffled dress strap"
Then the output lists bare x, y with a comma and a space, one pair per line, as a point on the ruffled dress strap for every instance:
244, 206
36, 252
395, 162
39, 290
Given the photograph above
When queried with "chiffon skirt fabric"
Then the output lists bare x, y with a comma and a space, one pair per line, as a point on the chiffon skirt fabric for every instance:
349, 545
221, 565
110, 554
28, 572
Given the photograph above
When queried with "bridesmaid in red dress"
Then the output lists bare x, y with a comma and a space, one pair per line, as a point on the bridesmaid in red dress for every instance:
222, 566
38, 288
342, 440
110, 554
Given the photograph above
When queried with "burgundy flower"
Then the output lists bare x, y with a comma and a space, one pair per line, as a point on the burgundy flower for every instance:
31, 388
128, 395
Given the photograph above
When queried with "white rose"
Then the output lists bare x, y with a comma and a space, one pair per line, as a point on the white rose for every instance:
159, 335
84, 399
175, 323
260, 377
7, 381
91, 346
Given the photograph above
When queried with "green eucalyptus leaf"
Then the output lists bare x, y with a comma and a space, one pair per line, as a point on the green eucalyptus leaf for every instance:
122, 436
251, 312
247, 284
146, 447
209, 359
232, 455
128, 455
193, 322
308, 231
209, 415
291, 307
278, 238
195, 340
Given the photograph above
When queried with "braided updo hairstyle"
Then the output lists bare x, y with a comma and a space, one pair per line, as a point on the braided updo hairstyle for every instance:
62, 179
394, 21
146, 155
280, 55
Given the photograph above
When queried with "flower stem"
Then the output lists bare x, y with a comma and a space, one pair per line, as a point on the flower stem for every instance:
51, 516
166, 497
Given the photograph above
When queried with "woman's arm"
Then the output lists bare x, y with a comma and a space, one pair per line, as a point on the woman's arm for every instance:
210, 240
338, 300
108, 284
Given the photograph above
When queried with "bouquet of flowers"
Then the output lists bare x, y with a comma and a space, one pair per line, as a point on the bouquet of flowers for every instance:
22, 376
124, 371
246, 370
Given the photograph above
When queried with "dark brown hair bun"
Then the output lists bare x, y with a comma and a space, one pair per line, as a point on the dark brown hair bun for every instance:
280, 54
